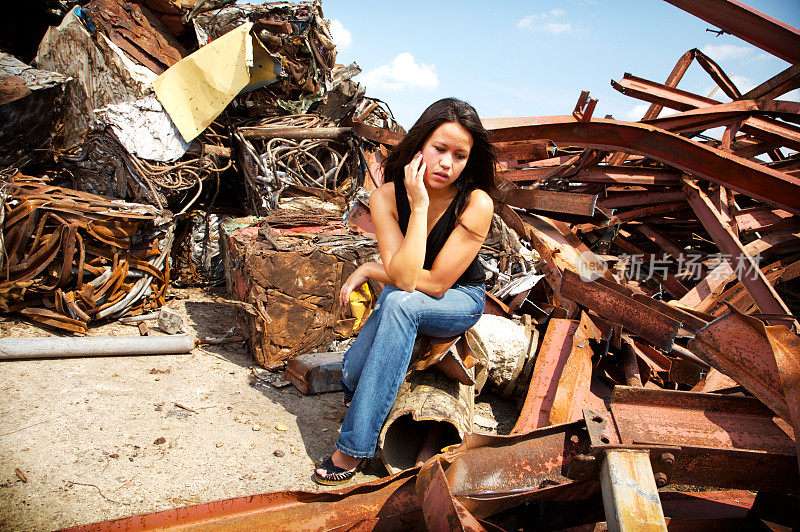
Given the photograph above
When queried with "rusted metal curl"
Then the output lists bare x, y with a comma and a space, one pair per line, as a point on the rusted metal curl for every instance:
73, 258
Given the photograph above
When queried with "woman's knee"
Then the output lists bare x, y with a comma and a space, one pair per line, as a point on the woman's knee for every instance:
400, 303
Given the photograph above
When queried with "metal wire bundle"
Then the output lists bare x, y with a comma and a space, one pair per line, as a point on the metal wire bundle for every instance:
269, 166
101, 165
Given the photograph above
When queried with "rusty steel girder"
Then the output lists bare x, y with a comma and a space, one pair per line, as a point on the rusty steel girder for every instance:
746, 268
766, 129
725, 113
755, 27
763, 359
701, 439
750, 178
612, 303
565, 359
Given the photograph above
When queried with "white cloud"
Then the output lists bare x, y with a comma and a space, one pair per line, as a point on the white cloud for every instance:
527, 22
721, 52
402, 74
544, 22
342, 37
636, 113
558, 29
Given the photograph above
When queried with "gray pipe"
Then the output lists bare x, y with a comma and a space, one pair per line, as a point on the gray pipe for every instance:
95, 346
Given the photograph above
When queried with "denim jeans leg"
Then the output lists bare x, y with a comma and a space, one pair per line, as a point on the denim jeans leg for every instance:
384, 369
356, 355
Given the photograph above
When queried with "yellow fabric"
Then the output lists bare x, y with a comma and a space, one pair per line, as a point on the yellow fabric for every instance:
361, 304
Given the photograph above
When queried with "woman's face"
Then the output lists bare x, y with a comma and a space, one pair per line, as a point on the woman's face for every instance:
445, 154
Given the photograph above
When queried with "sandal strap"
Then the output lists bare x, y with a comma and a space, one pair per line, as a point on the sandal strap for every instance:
336, 473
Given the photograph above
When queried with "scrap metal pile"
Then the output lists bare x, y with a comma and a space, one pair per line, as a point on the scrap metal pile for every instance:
106, 115
654, 265
73, 258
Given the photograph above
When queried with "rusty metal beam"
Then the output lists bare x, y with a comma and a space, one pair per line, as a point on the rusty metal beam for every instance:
655, 109
441, 510
755, 27
764, 128
654, 92
564, 348
663, 242
718, 75
763, 219
377, 134
746, 269
628, 176
616, 175
778, 133
778, 85
614, 305
704, 439
630, 494
765, 360
741, 175
549, 200
724, 113
636, 199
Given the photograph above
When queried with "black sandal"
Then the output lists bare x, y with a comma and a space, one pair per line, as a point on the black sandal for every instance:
335, 475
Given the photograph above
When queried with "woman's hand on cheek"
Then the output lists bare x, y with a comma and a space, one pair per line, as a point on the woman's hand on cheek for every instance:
415, 182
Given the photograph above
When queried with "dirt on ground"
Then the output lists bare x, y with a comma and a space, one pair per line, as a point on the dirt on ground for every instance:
84, 440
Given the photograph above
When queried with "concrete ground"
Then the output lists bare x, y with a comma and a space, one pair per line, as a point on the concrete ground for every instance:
90, 439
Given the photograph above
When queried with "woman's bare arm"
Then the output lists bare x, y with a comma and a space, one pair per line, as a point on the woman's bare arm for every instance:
458, 252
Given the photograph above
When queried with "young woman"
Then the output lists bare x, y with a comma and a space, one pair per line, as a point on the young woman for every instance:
431, 218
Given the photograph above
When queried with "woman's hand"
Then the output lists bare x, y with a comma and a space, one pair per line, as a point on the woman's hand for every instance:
355, 281
415, 183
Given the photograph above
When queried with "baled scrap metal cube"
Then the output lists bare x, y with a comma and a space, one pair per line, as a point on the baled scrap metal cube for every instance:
75, 258
290, 280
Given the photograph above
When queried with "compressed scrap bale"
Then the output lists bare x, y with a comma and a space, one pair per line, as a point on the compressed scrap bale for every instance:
30, 101
74, 258
298, 35
138, 32
327, 165
291, 283
101, 73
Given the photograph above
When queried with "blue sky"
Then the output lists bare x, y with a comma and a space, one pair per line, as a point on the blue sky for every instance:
514, 58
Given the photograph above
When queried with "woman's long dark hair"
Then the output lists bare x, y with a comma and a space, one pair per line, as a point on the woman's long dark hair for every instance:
479, 171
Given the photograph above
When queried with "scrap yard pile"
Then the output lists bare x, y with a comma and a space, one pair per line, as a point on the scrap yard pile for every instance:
642, 277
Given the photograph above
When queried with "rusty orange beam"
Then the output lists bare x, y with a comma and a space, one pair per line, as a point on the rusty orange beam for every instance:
746, 269
766, 129
561, 341
549, 200
655, 109
777, 85
763, 31
725, 113
763, 359
737, 173
611, 302
659, 93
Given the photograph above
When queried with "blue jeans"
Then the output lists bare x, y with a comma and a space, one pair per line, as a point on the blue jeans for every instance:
375, 365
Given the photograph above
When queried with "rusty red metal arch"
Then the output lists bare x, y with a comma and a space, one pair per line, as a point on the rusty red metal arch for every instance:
750, 178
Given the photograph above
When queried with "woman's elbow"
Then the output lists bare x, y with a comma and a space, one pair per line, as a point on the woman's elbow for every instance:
406, 286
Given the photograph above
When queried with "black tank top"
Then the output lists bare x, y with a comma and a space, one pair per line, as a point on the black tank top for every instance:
474, 274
